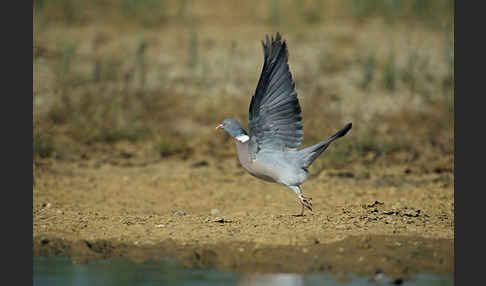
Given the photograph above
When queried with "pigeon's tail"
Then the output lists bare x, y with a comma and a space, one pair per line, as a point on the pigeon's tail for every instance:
309, 154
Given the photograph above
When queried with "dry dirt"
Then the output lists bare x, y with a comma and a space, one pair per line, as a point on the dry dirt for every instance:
207, 211
388, 201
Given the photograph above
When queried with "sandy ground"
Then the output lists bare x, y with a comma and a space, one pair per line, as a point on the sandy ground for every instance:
204, 211
394, 211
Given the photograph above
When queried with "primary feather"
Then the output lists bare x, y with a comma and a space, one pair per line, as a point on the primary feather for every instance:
275, 120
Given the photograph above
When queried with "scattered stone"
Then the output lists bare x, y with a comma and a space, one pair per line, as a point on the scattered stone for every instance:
375, 203
46, 205
180, 213
372, 217
412, 213
160, 225
214, 211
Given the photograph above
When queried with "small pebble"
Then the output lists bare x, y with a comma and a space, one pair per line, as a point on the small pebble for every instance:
219, 219
46, 205
180, 213
214, 211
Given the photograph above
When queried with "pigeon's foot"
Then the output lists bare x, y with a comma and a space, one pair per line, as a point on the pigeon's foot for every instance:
305, 202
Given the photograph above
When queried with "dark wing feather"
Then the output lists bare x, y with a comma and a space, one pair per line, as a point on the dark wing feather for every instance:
275, 120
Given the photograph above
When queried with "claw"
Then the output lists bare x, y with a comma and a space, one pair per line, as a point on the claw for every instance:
305, 204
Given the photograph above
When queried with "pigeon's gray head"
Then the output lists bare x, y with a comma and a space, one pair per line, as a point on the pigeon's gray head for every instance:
233, 128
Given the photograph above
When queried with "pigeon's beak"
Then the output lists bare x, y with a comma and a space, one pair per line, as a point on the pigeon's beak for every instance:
219, 126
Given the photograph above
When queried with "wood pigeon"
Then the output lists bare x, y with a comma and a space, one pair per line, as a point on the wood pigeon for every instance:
270, 150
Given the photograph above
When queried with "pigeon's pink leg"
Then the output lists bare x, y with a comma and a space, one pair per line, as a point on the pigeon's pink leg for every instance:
304, 201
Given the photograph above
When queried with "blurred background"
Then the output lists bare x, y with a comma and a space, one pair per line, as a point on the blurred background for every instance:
143, 80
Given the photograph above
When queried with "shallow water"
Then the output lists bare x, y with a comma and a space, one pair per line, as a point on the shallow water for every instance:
117, 271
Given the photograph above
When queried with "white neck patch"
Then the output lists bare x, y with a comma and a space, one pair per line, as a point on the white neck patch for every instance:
242, 138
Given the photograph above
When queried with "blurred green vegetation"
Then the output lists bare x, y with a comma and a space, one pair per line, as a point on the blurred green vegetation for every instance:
157, 12
121, 95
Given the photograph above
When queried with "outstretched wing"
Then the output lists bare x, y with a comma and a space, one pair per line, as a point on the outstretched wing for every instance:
275, 120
